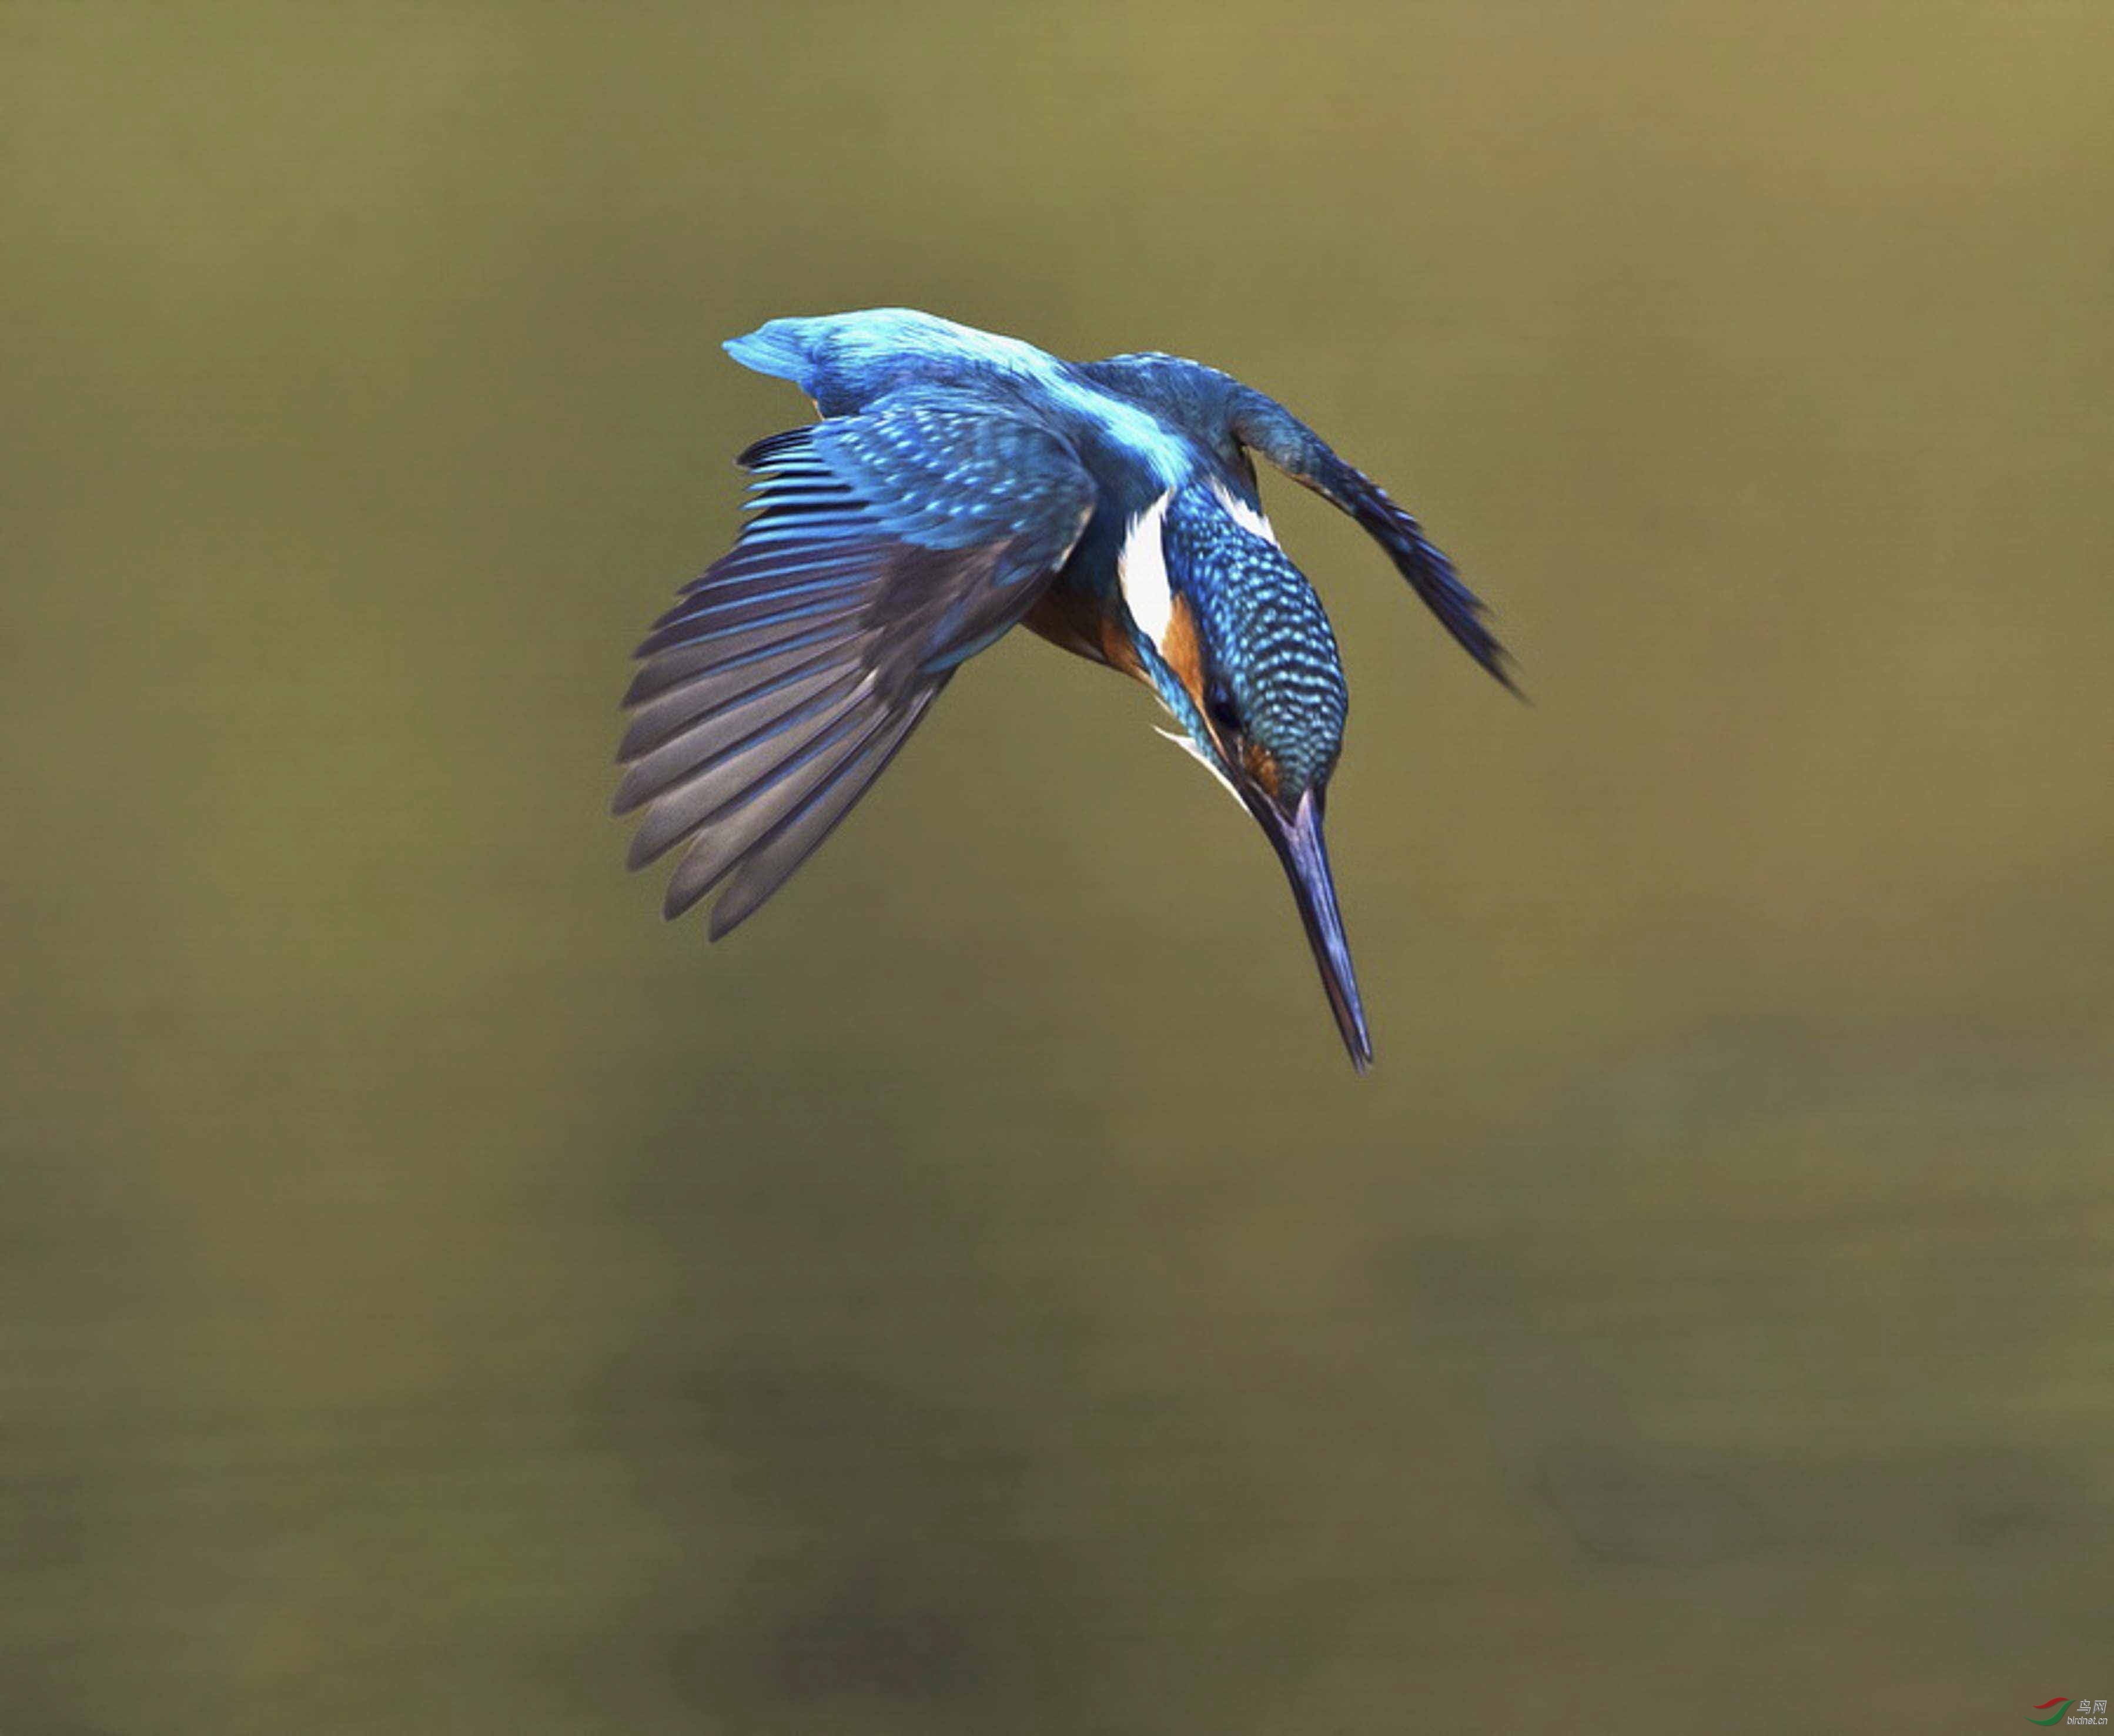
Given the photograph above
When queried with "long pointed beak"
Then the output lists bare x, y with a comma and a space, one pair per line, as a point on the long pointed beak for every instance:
1299, 847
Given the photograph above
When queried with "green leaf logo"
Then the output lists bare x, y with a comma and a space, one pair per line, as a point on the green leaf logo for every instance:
2061, 1705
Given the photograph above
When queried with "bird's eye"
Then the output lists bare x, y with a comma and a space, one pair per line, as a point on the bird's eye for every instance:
1219, 706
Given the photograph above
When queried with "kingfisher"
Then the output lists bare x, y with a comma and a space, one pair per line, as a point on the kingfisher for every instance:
959, 484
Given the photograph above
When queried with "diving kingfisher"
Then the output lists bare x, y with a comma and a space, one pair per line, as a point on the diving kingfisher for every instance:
960, 484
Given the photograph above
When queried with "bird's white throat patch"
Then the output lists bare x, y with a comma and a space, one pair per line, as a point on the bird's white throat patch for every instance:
1142, 572
1243, 514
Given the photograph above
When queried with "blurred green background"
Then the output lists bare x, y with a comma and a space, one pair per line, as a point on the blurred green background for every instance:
979, 1297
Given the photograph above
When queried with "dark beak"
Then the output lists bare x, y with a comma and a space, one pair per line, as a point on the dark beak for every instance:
1298, 842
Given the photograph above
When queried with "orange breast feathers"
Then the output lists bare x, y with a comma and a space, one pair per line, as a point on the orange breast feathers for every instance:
1181, 648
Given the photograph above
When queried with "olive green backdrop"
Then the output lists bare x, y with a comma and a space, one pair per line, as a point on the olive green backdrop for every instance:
979, 1297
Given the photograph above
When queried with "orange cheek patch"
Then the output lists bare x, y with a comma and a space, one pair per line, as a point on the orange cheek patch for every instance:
1182, 649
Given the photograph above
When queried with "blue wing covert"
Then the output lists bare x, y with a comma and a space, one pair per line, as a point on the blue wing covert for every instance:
885, 549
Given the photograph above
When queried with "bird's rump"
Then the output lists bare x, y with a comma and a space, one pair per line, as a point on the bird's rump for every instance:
885, 549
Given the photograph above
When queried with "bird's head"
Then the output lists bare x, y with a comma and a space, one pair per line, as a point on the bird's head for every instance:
1233, 639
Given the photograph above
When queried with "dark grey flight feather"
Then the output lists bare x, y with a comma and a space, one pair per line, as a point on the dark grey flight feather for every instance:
884, 548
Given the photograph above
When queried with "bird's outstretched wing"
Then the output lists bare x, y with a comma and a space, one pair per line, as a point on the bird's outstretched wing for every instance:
1263, 425
885, 549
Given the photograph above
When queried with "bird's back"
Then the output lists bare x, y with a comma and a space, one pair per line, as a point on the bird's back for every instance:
848, 363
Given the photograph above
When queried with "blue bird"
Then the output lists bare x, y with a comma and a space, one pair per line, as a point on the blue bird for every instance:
961, 484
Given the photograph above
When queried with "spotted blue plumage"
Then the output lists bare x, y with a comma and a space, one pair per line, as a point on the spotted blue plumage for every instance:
1268, 644
961, 484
